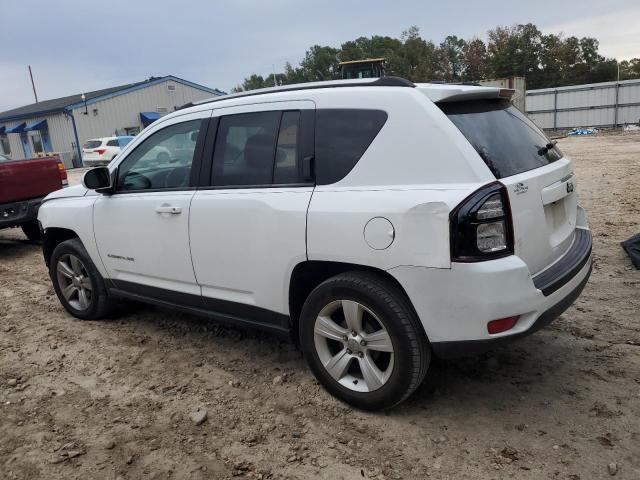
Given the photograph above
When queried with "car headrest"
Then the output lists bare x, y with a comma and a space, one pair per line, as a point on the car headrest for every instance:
258, 151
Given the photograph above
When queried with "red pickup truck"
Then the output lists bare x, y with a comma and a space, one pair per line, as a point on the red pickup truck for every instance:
23, 185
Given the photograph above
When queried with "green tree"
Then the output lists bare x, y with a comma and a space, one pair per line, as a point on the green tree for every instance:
419, 56
450, 56
320, 63
516, 51
545, 60
474, 60
630, 69
250, 83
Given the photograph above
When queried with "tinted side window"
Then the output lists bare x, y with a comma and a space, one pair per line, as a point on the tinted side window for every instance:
342, 137
162, 160
112, 143
254, 149
286, 169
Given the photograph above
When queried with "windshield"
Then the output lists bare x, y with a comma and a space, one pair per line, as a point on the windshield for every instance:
508, 142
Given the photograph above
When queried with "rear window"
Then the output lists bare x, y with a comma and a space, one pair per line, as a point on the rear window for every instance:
508, 142
92, 144
342, 137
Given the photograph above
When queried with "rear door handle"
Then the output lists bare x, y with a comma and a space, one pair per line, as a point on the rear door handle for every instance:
169, 209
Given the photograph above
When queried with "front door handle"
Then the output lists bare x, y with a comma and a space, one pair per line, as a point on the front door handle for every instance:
169, 209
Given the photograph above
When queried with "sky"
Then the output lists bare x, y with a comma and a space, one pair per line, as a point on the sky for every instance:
83, 45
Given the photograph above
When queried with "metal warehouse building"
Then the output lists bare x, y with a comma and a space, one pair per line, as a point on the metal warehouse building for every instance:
605, 104
62, 125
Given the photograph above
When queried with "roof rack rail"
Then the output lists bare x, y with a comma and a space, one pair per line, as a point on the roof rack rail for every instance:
379, 82
444, 82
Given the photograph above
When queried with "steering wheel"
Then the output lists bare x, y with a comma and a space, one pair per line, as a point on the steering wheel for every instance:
136, 181
178, 177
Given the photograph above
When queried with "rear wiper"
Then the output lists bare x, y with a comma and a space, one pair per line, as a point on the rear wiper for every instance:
544, 150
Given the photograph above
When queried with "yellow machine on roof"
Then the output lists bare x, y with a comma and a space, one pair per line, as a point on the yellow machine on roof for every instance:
367, 68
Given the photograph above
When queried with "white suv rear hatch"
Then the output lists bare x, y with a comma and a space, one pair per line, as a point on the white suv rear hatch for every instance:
539, 179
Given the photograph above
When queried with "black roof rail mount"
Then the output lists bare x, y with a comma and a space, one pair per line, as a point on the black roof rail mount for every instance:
392, 82
380, 82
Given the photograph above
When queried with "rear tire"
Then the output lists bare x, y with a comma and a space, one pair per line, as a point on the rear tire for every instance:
78, 284
32, 230
374, 362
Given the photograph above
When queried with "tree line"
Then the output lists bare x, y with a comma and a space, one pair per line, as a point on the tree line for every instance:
545, 60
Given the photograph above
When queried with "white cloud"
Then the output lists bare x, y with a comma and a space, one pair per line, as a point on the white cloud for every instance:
618, 32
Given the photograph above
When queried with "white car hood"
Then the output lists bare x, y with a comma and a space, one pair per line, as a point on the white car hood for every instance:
74, 191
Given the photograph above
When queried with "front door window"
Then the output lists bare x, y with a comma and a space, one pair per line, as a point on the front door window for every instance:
162, 161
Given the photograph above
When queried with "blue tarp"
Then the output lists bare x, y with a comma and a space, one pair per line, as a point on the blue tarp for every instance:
583, 131
148, 118
18, 128
40, 125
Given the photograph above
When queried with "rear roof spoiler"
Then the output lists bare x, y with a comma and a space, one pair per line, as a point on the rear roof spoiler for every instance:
438, 93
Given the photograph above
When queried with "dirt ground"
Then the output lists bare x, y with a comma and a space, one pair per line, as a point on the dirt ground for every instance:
114, 399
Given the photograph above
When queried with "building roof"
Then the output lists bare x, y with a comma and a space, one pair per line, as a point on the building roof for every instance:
63, 103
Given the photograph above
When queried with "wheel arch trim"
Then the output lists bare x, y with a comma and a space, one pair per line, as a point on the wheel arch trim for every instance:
307, 275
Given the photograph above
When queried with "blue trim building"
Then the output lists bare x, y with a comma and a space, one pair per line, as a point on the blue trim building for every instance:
63, 125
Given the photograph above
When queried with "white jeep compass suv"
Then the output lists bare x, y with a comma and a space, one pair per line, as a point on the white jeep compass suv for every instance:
379, 221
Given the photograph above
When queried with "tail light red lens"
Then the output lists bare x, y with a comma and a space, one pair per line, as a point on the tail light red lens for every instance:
63, 173
100, 151
502, 324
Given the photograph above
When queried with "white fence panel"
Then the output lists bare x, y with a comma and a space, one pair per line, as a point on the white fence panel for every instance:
605, 104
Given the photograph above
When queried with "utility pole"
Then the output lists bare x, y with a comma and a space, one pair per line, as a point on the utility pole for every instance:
33, 85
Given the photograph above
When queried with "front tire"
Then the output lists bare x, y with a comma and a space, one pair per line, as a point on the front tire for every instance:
78, 284
363, 341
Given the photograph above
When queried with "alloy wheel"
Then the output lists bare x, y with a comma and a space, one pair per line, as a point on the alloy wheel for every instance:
74, 281
353, 345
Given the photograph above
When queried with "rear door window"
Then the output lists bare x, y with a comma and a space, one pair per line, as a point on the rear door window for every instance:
245, 149
257, 149
112, 143
506, 140
342, 137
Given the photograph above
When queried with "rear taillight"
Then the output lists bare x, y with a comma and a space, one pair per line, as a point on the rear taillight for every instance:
481, 226
63, 174
100, 151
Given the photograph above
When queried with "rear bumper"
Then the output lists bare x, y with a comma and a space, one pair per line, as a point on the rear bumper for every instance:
16, 213
475, 347
456, 304
561, 272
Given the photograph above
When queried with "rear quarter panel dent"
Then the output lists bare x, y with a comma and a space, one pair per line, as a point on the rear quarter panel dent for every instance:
420, 218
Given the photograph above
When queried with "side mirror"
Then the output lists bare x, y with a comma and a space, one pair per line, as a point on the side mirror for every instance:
98, 179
